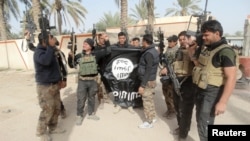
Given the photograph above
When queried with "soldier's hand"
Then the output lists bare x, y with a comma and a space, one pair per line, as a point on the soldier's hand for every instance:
27, 35
141, 90
106, 38
71, 53
220, 108
62, 84
52, 41
164, 71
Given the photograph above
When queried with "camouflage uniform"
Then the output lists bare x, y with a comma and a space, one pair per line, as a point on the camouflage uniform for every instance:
50, 103
148, 80
167, 88
148, 101
101, 93
168, 91
48, 89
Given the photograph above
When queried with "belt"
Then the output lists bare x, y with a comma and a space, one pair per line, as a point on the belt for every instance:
49, 83
88, 77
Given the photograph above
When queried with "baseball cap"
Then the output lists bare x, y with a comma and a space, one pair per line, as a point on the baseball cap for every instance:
172, 38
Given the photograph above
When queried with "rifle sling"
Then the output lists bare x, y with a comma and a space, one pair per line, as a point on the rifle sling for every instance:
184, 79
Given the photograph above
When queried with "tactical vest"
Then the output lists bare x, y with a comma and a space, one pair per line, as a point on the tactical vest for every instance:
87, 65
171, 53
183, 65
205, 73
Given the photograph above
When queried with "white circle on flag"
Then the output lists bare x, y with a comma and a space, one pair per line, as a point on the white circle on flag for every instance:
121, 68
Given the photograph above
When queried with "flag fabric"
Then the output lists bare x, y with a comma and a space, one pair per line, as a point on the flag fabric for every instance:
121, 76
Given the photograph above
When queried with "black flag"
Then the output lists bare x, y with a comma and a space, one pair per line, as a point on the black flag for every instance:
121, 75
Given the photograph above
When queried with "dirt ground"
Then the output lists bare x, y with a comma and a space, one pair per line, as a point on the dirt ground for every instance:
19, 112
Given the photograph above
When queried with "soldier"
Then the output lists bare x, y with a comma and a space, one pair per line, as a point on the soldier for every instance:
122, 43
147, 70
62, 65
122, 40
217, 67
49, 82
103, 92
167, 86
136, 42
88, 74
63, 68
183, 66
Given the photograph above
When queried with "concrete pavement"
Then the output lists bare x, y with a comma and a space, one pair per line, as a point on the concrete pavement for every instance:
19, 112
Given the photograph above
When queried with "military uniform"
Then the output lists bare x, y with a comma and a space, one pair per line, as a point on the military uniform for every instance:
148, 81
64, 72
183, 68
167, 86
47, 75
209, 79
103, 91
87, 81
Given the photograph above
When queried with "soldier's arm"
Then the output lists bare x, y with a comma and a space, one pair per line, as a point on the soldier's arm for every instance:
229, 68
70, 59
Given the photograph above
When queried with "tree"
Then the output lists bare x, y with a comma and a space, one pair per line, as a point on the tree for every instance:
150, 7
238, 33
184, 8
36, 11
124, 13
7, 8
61, 9
140, 12
109, 20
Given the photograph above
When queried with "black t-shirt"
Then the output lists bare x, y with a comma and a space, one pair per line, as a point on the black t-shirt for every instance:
224, 58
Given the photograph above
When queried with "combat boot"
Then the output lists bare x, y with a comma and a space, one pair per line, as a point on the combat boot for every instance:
63, 114
117, 109
131, 110
45, 137
57, 131
79, 120
101, 106
175, 131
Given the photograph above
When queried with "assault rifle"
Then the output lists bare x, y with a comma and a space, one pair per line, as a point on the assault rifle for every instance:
30, 26
161, 43
72, 46
163, 59
45, 27
94, 35
172, 76
201, 18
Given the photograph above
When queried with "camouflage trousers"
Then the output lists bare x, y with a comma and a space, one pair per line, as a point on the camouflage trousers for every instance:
148, 104
50, 103
168, 92
101, 92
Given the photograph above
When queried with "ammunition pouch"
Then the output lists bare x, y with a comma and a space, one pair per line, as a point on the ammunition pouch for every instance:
200, 77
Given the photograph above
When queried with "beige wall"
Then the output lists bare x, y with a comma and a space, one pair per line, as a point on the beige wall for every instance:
168, 25
12, 56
